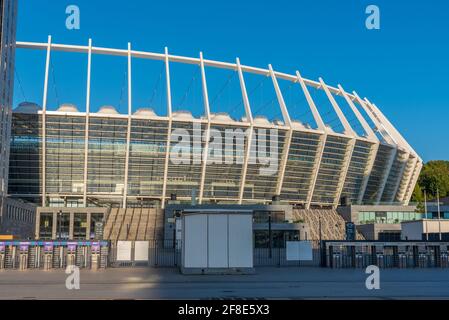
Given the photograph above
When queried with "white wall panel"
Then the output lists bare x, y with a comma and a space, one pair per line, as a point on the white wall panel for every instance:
195, 241
240, 241
218, 244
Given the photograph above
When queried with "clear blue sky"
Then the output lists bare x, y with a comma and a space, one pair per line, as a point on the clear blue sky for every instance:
403, 68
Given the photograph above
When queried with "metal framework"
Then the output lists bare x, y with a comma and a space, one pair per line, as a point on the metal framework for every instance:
383, 132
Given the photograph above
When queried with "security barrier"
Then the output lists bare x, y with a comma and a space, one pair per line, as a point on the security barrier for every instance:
47, 255
403, 254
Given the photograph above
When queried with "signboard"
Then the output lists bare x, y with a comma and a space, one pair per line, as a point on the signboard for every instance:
71, 246
2, 246
299, 250
95, 248
48, 246
141, 250
98, 230
24, 246
123, 250
350, 231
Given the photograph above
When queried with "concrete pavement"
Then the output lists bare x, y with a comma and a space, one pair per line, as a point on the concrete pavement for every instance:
267, 283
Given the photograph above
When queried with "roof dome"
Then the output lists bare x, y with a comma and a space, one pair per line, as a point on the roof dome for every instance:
107, 110
145, 112
222, 116
183, 114
278, 122
67, 107
261, 120
298, 124
27, 107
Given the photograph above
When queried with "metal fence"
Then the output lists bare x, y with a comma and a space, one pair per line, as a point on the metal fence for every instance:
161, 253
401, 254
277, 257
167, 253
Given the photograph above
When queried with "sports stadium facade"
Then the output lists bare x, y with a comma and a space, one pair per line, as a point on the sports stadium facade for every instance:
67, 157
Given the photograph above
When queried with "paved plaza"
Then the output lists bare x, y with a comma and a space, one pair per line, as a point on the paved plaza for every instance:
267, 283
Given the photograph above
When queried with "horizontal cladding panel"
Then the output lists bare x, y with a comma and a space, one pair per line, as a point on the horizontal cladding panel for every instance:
224, 169
299, 168
394, 176
261, 179
356, 170
330, 170
375, 179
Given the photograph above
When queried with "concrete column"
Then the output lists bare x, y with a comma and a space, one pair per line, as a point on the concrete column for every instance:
54, 230
88, 220
71, 225
37, 224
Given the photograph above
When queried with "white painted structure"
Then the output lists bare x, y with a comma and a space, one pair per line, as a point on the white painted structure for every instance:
217, 241
316, 166
416, 230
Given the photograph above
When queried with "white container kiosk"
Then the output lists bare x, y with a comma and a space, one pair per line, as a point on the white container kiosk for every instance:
217, 241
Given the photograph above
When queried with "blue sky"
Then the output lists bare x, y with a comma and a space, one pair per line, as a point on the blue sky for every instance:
403, 67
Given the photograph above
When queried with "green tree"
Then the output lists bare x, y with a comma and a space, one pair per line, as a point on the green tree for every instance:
434, 176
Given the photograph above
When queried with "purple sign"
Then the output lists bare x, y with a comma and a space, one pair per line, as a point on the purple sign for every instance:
71, 246
2, 246
48, 246
95, 247
24, 246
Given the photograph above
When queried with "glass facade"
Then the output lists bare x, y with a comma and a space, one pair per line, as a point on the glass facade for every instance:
356, 172
106, 157
263, 186
107, 154
8, 17
147, 157
26, 157
380, 167
394, 176
222, 181
184, 174
65, 155
331, 167
300, 163
368, 217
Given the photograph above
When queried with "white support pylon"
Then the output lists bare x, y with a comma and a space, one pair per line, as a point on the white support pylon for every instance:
44, 122
86, 137
128, 133
289, 135
170, 121
250, 131
207, 138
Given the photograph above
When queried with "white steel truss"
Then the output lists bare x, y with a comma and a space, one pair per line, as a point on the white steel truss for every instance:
207, 138
86, 137
390, 135
250, 131
170, 121
44, 111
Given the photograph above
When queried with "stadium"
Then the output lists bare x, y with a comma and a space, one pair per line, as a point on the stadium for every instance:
82, 158
296, 160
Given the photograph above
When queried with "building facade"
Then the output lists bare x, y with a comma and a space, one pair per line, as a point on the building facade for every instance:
71, 157
8, 17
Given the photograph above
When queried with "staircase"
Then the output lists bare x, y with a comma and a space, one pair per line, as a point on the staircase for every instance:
332, 224
134, 224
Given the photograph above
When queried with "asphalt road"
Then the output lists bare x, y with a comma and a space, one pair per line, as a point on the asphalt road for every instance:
267, 283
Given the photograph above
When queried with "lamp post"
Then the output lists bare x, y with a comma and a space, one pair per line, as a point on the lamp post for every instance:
425, 214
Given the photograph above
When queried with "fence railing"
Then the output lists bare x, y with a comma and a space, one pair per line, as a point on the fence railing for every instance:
167, 253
